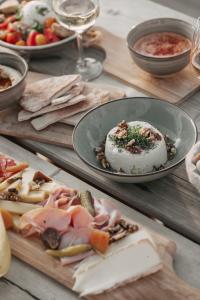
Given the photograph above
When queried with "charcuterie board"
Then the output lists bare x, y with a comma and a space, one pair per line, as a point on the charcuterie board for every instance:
164, 284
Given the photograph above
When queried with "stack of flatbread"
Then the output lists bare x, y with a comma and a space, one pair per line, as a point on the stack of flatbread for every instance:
59, 99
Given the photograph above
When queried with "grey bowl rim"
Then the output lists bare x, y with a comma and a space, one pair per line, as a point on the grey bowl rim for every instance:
152, 58
104, 171
37, 48
23, 77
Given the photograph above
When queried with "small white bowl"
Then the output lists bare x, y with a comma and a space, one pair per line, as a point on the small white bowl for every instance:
192, 171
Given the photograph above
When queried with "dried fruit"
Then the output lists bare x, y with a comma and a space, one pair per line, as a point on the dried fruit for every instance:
51, 238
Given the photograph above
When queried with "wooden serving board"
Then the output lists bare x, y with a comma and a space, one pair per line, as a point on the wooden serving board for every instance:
164, 284
56, 134
119, 63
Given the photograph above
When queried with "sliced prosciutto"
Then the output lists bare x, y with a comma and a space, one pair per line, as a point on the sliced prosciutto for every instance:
63, 197
107, 215
37, 220
5, 162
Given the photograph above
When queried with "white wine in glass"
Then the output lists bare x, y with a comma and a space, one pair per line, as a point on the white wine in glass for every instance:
79, 15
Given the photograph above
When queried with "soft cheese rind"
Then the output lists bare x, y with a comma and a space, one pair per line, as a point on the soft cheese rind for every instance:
140, 163
131, 263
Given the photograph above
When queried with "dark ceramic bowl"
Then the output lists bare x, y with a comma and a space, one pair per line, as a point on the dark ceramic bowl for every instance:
169, 119
11, 95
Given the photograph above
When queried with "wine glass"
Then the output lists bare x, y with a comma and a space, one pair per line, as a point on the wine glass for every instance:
79, 15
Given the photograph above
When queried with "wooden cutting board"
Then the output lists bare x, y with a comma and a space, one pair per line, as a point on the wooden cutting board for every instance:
163, 285
56, 134
119, 63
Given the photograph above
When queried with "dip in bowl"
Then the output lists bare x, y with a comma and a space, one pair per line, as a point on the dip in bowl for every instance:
13, 72
161, 46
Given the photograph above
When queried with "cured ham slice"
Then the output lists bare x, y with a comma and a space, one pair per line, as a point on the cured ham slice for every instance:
36, 221
80, 217
107, 215
72, 259
63, 197
75, 237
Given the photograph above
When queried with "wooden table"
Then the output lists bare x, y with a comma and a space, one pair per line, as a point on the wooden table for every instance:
172, 200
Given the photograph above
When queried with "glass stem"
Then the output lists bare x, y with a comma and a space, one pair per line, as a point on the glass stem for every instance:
81, 62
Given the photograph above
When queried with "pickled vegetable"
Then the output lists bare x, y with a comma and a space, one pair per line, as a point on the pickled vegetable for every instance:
70, 251
87, 202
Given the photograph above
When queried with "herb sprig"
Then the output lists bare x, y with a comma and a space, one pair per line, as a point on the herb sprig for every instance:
133, 133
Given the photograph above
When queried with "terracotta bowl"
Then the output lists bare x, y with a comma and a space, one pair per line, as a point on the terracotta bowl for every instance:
11, 95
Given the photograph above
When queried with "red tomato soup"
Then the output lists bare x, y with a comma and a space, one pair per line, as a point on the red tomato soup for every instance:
162, 44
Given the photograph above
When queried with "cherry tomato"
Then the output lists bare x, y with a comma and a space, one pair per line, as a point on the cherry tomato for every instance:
11, 27
8, 20
13, 37
50, 35
49, 21
2, 35
31, 38
21, 43
41, 39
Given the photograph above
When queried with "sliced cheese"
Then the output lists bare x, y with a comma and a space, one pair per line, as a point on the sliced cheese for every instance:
19, 208
34, 197
129, 264
15, 185
5, 252
27, 178
129, 240
49, 187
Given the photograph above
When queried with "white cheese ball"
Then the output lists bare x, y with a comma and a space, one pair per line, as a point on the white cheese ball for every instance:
132, 163
35, 11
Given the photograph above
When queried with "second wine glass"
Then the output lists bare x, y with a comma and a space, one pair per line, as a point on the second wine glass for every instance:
78, 16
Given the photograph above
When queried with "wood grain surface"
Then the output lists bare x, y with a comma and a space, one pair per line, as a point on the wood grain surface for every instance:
118, 62
161, 285
56, 134
23, 280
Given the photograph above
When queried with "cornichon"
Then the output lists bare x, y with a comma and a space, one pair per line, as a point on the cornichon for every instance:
69, 251
87, 202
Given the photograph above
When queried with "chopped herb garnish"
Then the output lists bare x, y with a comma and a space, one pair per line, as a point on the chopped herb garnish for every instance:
133, 133
42, 10
37, 26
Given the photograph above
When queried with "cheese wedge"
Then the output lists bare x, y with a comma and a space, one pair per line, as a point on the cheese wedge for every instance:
129, 264
5, 252
15, 185
113, 248
27, 178
119, 254
19, 208
49, 187
34, 197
